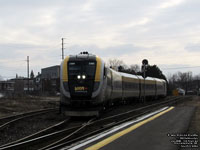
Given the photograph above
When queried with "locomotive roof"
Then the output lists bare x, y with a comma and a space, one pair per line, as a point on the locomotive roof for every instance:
150, 78
138, 77
155, 79
160, 80
128, 75
80, 57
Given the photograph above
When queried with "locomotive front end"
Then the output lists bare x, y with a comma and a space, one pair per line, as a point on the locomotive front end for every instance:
80, 81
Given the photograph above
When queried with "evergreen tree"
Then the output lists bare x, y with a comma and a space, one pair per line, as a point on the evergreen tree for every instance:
154, 71
32, 74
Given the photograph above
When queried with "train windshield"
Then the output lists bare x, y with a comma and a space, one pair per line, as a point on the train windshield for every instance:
80, 68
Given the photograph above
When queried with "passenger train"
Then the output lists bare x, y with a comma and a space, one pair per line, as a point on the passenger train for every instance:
87, 86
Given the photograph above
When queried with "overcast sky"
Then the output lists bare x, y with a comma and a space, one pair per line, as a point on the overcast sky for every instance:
166, 32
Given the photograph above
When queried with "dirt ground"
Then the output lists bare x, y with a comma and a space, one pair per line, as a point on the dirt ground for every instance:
20, 105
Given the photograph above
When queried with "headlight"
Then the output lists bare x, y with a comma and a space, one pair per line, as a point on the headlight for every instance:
78, 77
83, 76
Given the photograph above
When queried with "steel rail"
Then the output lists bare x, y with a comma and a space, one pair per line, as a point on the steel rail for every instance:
12, 119
32, 142
68, 136
109, 125
101, 124
92, 133
43, 138
45, 131
22, 114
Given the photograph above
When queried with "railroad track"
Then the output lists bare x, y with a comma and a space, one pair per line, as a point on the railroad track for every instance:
47, 136
6, 121
65, 137
101, 125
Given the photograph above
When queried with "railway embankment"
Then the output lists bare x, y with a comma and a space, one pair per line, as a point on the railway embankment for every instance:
17, 105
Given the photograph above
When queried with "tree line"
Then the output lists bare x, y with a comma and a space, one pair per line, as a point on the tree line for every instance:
151, 70
186, 81
183, 80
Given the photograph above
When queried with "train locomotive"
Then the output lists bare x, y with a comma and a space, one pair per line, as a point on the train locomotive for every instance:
88, 86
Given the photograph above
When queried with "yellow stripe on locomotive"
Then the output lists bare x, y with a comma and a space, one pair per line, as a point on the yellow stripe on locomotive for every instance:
65, 70
98, 69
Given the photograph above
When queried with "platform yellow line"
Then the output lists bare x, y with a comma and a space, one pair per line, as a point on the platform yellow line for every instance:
119, 134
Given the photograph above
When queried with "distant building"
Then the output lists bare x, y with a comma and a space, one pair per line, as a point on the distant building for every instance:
52, 72
46, 82
23, 85
6, 86
38, 83
17, 86
50, 79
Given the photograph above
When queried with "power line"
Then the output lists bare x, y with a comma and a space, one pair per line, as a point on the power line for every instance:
10, 69
8, 77
181, 67
8, 60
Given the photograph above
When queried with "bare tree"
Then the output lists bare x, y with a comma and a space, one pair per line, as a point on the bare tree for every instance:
185, 80
134, 68
197, 82
173, 78
116, 63
182, 79
189, 80
172, 81
119, 65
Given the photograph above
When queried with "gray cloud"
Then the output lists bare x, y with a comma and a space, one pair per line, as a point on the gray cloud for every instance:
14, 50
109, 29
112, 51
195, 47
175, 68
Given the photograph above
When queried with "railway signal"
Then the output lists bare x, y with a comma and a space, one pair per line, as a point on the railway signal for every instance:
144, 66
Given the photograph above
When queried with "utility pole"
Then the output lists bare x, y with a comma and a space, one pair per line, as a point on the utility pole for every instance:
198, 89
28, 71
62, 48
